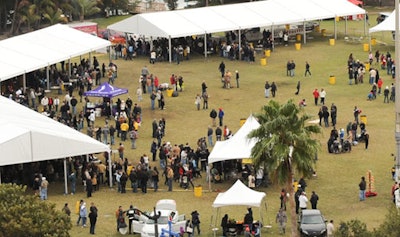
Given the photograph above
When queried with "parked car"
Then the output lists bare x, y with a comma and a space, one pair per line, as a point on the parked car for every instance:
167, 208
312, 223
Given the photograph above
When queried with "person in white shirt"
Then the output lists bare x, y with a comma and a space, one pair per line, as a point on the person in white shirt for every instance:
303, 201
330, 228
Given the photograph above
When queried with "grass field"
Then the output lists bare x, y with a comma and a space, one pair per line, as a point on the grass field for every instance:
337, 175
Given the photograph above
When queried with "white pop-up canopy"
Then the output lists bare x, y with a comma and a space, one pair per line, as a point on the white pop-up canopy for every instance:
389, 24
27, 136
42, 48
239, 195
238, 146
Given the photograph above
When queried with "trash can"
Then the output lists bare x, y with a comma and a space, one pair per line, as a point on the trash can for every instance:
298, 37
331, 42
367, 66
332, 80
363, 118
366, 47
267, 53
198, 191
242, 121
373, 41
298, 46
263, 61
169, 92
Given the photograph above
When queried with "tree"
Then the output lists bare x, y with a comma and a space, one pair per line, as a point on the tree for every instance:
284, 146
86, 8
27, 215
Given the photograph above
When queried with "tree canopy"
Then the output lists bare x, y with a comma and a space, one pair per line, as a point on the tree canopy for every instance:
26, 215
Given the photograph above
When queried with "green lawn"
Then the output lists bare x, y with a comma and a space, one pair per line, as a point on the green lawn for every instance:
337, 175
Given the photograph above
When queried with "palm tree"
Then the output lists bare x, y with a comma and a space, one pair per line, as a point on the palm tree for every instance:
54, 16
285, 145
86, 8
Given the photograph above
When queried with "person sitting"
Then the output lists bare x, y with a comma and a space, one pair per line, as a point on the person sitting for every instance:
302, 103
371, 95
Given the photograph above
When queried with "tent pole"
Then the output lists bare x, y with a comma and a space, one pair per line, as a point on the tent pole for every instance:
48, 77
110, 169
240, 43
69, 67
24, 81
170, 49
335, 28
345, 25
273, 37
208, 177
304, 32
65, 177
205, 45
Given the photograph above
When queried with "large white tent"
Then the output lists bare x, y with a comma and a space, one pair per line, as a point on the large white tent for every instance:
204, 20
389, 24
42, 48
27, 136
239, 195
238, 146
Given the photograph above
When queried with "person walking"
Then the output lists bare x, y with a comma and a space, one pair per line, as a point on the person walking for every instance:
362, 186
131, 216
66, 210
267, 88
273, 89
366, 138
237, 78
281, 219
196, 221
330, 228
322, 95
92, 217
314, 200
316, 96
83, 214
224, 224
210, 132
307, 69
298, 88
213, 116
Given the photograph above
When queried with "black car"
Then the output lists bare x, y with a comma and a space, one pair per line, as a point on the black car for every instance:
312, 224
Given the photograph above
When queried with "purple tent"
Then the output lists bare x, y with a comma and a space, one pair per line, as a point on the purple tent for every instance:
106, 90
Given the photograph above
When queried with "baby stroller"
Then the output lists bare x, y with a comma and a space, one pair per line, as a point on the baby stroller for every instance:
346, 147
336, 147
185, 181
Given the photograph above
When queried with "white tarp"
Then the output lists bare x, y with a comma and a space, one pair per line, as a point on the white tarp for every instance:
238, 146
389, 24
38, 49
204, 20
27, 136
239, 195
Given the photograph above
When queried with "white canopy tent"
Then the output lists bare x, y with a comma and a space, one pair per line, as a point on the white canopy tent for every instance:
42, 48
241, 16
389, 24
238, 146
239, 195
27, 136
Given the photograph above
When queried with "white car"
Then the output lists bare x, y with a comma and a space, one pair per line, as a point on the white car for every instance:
167, 208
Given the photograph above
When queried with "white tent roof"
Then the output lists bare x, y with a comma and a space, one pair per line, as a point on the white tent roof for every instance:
38, 49
27, 136
389, 24
237, 147
214, 19
239, 194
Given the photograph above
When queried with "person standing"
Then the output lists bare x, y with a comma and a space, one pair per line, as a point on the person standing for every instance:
218, 133
333, 114
303, 200
386, 94
220, 116
251, 181
322, 95
314, 200
170, 177
224, 224
144, 72
316, 96
92, 217
131, 216
307, 69
273, 89
43, 188
155, 178
83, 214
362, 186
281, 218
221, 69
267, 89
330, 229
196, 221
205, 100
366, 138
209, 135
66, 209
203, 87
213, 116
